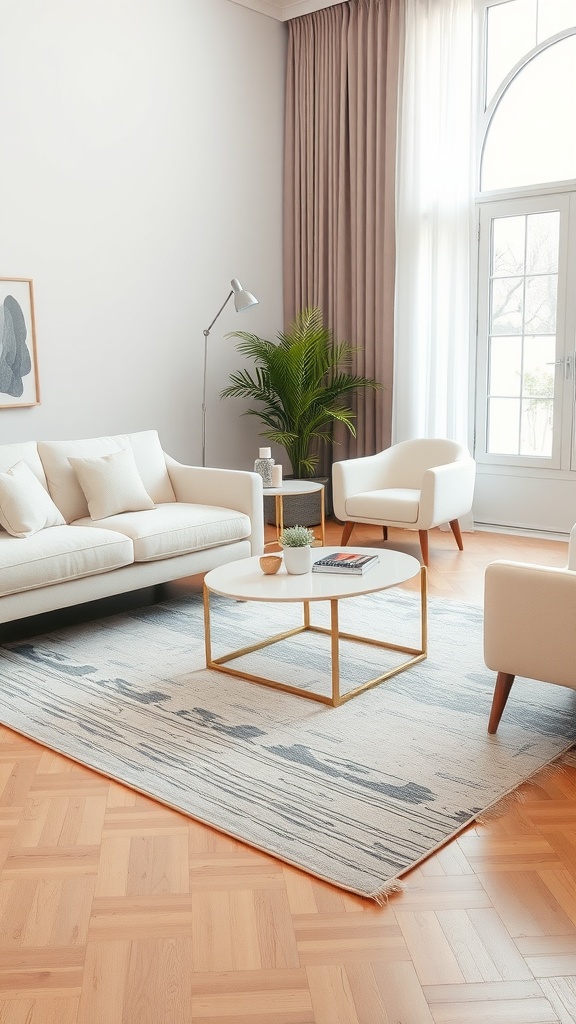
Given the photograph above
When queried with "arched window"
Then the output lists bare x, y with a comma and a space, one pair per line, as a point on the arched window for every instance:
531, 137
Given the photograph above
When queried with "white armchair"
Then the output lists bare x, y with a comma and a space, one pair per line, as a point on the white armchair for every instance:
529, 625
416, 484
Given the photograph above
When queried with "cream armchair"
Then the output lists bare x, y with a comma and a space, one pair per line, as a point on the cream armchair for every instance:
529, 625
416, 484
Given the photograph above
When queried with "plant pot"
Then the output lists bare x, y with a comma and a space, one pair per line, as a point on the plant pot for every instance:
298, 560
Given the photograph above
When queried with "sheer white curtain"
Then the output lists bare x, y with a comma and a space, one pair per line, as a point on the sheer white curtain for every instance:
434, 223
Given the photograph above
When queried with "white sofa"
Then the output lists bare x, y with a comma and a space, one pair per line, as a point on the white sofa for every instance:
184, 520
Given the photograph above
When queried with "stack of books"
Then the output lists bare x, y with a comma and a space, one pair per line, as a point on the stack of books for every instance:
348, 562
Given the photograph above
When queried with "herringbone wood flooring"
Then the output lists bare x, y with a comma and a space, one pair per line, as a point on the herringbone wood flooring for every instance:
115, 910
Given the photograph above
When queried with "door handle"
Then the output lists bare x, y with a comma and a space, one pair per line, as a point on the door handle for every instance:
568, 364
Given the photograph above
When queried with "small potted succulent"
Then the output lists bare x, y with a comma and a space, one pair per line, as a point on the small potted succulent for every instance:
296, 542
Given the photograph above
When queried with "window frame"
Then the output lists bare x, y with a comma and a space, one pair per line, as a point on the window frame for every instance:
520, 200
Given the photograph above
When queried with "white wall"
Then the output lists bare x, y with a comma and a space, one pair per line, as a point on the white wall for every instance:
141, 169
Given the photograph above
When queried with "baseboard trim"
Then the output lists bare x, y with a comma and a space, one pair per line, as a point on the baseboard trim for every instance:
519, 531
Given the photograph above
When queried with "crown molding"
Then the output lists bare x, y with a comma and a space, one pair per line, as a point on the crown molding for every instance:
284, 10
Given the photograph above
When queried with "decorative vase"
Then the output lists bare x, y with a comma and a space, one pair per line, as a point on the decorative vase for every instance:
298, 560
263, 466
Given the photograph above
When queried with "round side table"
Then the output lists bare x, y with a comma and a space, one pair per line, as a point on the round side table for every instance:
292, 488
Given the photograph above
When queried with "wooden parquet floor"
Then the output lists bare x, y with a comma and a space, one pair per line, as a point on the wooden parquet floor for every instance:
116, 910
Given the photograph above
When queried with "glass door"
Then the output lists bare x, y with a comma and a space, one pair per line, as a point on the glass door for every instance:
526, 372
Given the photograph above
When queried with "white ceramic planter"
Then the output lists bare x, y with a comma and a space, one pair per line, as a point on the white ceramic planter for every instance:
298, 560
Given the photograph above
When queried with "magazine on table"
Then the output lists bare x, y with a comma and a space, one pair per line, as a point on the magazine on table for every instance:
350, 563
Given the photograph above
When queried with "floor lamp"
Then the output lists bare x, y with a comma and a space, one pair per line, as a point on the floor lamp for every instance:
242, 300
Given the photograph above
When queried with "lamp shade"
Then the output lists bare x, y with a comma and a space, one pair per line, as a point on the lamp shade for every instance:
242, 300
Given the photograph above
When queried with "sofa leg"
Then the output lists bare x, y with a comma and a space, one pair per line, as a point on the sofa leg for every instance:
455, 527
501, 693
424, 545
385, 532
348, 527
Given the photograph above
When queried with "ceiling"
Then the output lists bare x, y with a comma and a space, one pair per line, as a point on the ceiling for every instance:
283, 10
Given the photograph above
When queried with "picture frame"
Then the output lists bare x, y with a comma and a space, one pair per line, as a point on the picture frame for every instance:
19, 383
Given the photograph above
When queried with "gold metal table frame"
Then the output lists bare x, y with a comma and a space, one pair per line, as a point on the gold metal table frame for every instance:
336, 635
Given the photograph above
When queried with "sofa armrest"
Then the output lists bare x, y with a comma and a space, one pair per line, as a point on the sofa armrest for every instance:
530, 621
225, 488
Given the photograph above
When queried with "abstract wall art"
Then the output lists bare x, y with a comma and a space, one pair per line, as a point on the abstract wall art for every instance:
19, 384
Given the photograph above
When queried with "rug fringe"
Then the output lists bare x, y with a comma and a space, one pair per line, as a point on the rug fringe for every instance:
562, 764
383, 894
498, 809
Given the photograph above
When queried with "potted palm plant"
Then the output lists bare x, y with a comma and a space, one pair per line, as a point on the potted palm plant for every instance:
301, 387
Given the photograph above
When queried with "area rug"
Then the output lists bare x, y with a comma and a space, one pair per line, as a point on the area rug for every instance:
355, 795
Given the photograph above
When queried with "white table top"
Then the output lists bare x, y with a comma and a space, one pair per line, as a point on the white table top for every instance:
245, 580
295, 487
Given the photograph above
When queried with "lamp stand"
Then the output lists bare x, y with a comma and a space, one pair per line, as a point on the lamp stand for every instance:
242, 300
206, 336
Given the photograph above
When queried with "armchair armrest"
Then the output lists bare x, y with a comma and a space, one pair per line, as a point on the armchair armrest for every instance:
447, 492
225, 488
530, 621
354, 476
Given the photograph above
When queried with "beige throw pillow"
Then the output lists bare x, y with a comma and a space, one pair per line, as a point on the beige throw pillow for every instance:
112, 484
25, 505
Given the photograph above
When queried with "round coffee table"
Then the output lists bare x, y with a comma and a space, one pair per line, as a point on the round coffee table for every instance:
244, 580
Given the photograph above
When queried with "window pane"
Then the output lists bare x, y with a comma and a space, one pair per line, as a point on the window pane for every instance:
538, 375
554, 16
509, 243
511, 32
528, 142
507, 305
536, 439
505, 366
503, 415
543, 233
540, 303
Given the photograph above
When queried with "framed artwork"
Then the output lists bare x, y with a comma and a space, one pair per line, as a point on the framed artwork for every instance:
19, 385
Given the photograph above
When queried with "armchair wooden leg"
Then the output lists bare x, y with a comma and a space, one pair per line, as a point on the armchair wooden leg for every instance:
424, 545
385, 532
501, 693
348, 527
455, 527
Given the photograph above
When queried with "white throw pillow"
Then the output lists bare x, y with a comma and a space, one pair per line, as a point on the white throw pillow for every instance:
25, 505
112, 484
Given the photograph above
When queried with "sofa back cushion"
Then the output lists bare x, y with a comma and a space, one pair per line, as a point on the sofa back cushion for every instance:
63, 483
24, 451
111, 484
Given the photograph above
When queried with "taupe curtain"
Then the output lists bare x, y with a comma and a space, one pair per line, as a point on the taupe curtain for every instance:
340, 154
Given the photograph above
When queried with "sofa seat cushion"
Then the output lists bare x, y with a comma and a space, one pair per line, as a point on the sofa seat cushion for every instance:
176, 528
400, 504
59, 554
